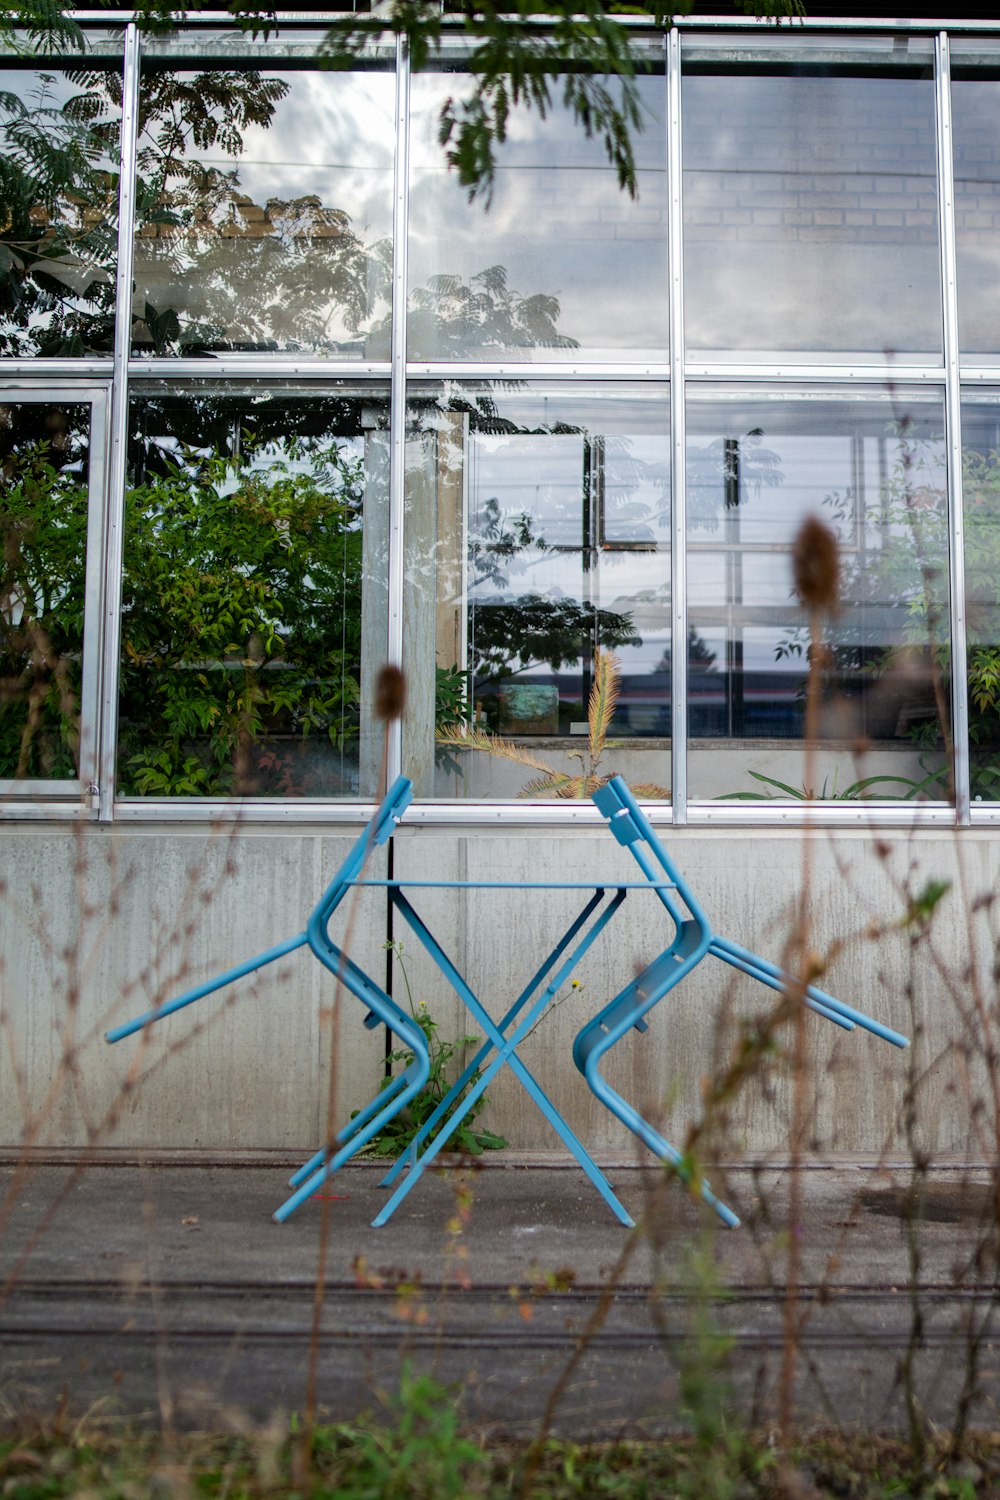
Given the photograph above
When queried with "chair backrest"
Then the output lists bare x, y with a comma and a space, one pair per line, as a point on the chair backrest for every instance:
378, 831
634, 831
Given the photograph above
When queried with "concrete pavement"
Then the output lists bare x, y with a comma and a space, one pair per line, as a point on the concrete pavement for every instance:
140, 1285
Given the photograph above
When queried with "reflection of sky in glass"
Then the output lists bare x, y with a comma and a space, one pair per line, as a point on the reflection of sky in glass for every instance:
332, 135
558, 224
976, 121
810, 214
845, 463
284, 270
608, 478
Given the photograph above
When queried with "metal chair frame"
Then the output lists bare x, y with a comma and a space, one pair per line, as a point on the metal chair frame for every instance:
694, 939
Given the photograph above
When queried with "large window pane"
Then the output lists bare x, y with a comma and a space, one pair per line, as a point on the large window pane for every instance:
981, 489
976, 122
810, 198
58, 206
562, 264
871, 465
44, 464
264, 205
254, 604
537, 541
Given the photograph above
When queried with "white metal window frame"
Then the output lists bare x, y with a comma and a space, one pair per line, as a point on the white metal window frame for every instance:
75, 797
44, 377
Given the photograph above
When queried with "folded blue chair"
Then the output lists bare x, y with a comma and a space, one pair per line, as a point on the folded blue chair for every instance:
382, 1010
693, 940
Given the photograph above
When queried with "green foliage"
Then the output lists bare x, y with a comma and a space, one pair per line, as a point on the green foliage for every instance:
923, 905
416, 1451
447, 1062
868, 788
416, 1446
719, 1450
43, 529
241, 617
58, 210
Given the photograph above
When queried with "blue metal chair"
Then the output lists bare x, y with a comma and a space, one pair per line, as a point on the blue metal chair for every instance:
693, 940
382, 1010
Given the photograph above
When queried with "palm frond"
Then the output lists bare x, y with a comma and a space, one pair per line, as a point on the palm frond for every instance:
457, 737
650, 791
603, 697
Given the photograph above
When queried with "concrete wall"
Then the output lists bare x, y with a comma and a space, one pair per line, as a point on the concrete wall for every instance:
97, 925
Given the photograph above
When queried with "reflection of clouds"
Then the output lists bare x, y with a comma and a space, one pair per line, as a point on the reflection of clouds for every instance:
783, 294
799, 237
332, 135
558, 222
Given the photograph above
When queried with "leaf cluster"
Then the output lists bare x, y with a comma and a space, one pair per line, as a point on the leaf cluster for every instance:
43, 531
446, 1063
555, 782
241, 615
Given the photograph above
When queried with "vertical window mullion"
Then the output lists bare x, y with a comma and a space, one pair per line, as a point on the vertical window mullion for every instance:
678, 506
953, 428
115, 491
397, 418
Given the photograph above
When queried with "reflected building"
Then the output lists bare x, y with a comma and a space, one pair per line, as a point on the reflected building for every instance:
327, 410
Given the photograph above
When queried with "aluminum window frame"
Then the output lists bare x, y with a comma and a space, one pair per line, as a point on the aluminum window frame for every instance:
77, 797
107, 380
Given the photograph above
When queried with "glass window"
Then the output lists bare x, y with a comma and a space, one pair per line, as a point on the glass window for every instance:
264, 205
58, 207
537, 561
562, 264
45, 469
981, 499
254, 600
810, 198
872, 466
976, 132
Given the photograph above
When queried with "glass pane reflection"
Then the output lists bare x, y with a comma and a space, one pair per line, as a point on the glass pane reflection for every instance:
254, 601
537, 538
45, 467
981, 498
265, 212
810, 198
976, 133
562, 264
873, 468
58, 210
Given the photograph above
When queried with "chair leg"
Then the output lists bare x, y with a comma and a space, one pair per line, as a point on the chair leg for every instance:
420, 1071
660, 1147
816, 999
359, 1121
510, 1057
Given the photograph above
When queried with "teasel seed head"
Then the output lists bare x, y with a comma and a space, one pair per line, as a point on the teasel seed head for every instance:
390, 693
816, 565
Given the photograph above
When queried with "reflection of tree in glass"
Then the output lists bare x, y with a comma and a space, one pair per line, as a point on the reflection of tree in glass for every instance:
242, 619
43, 524
448, 316
509, 635
889, 640
58, 213
720, 473
217, 270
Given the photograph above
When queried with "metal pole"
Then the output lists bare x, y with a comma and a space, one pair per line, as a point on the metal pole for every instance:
397, 415
678, 492
115, 494
953, 430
